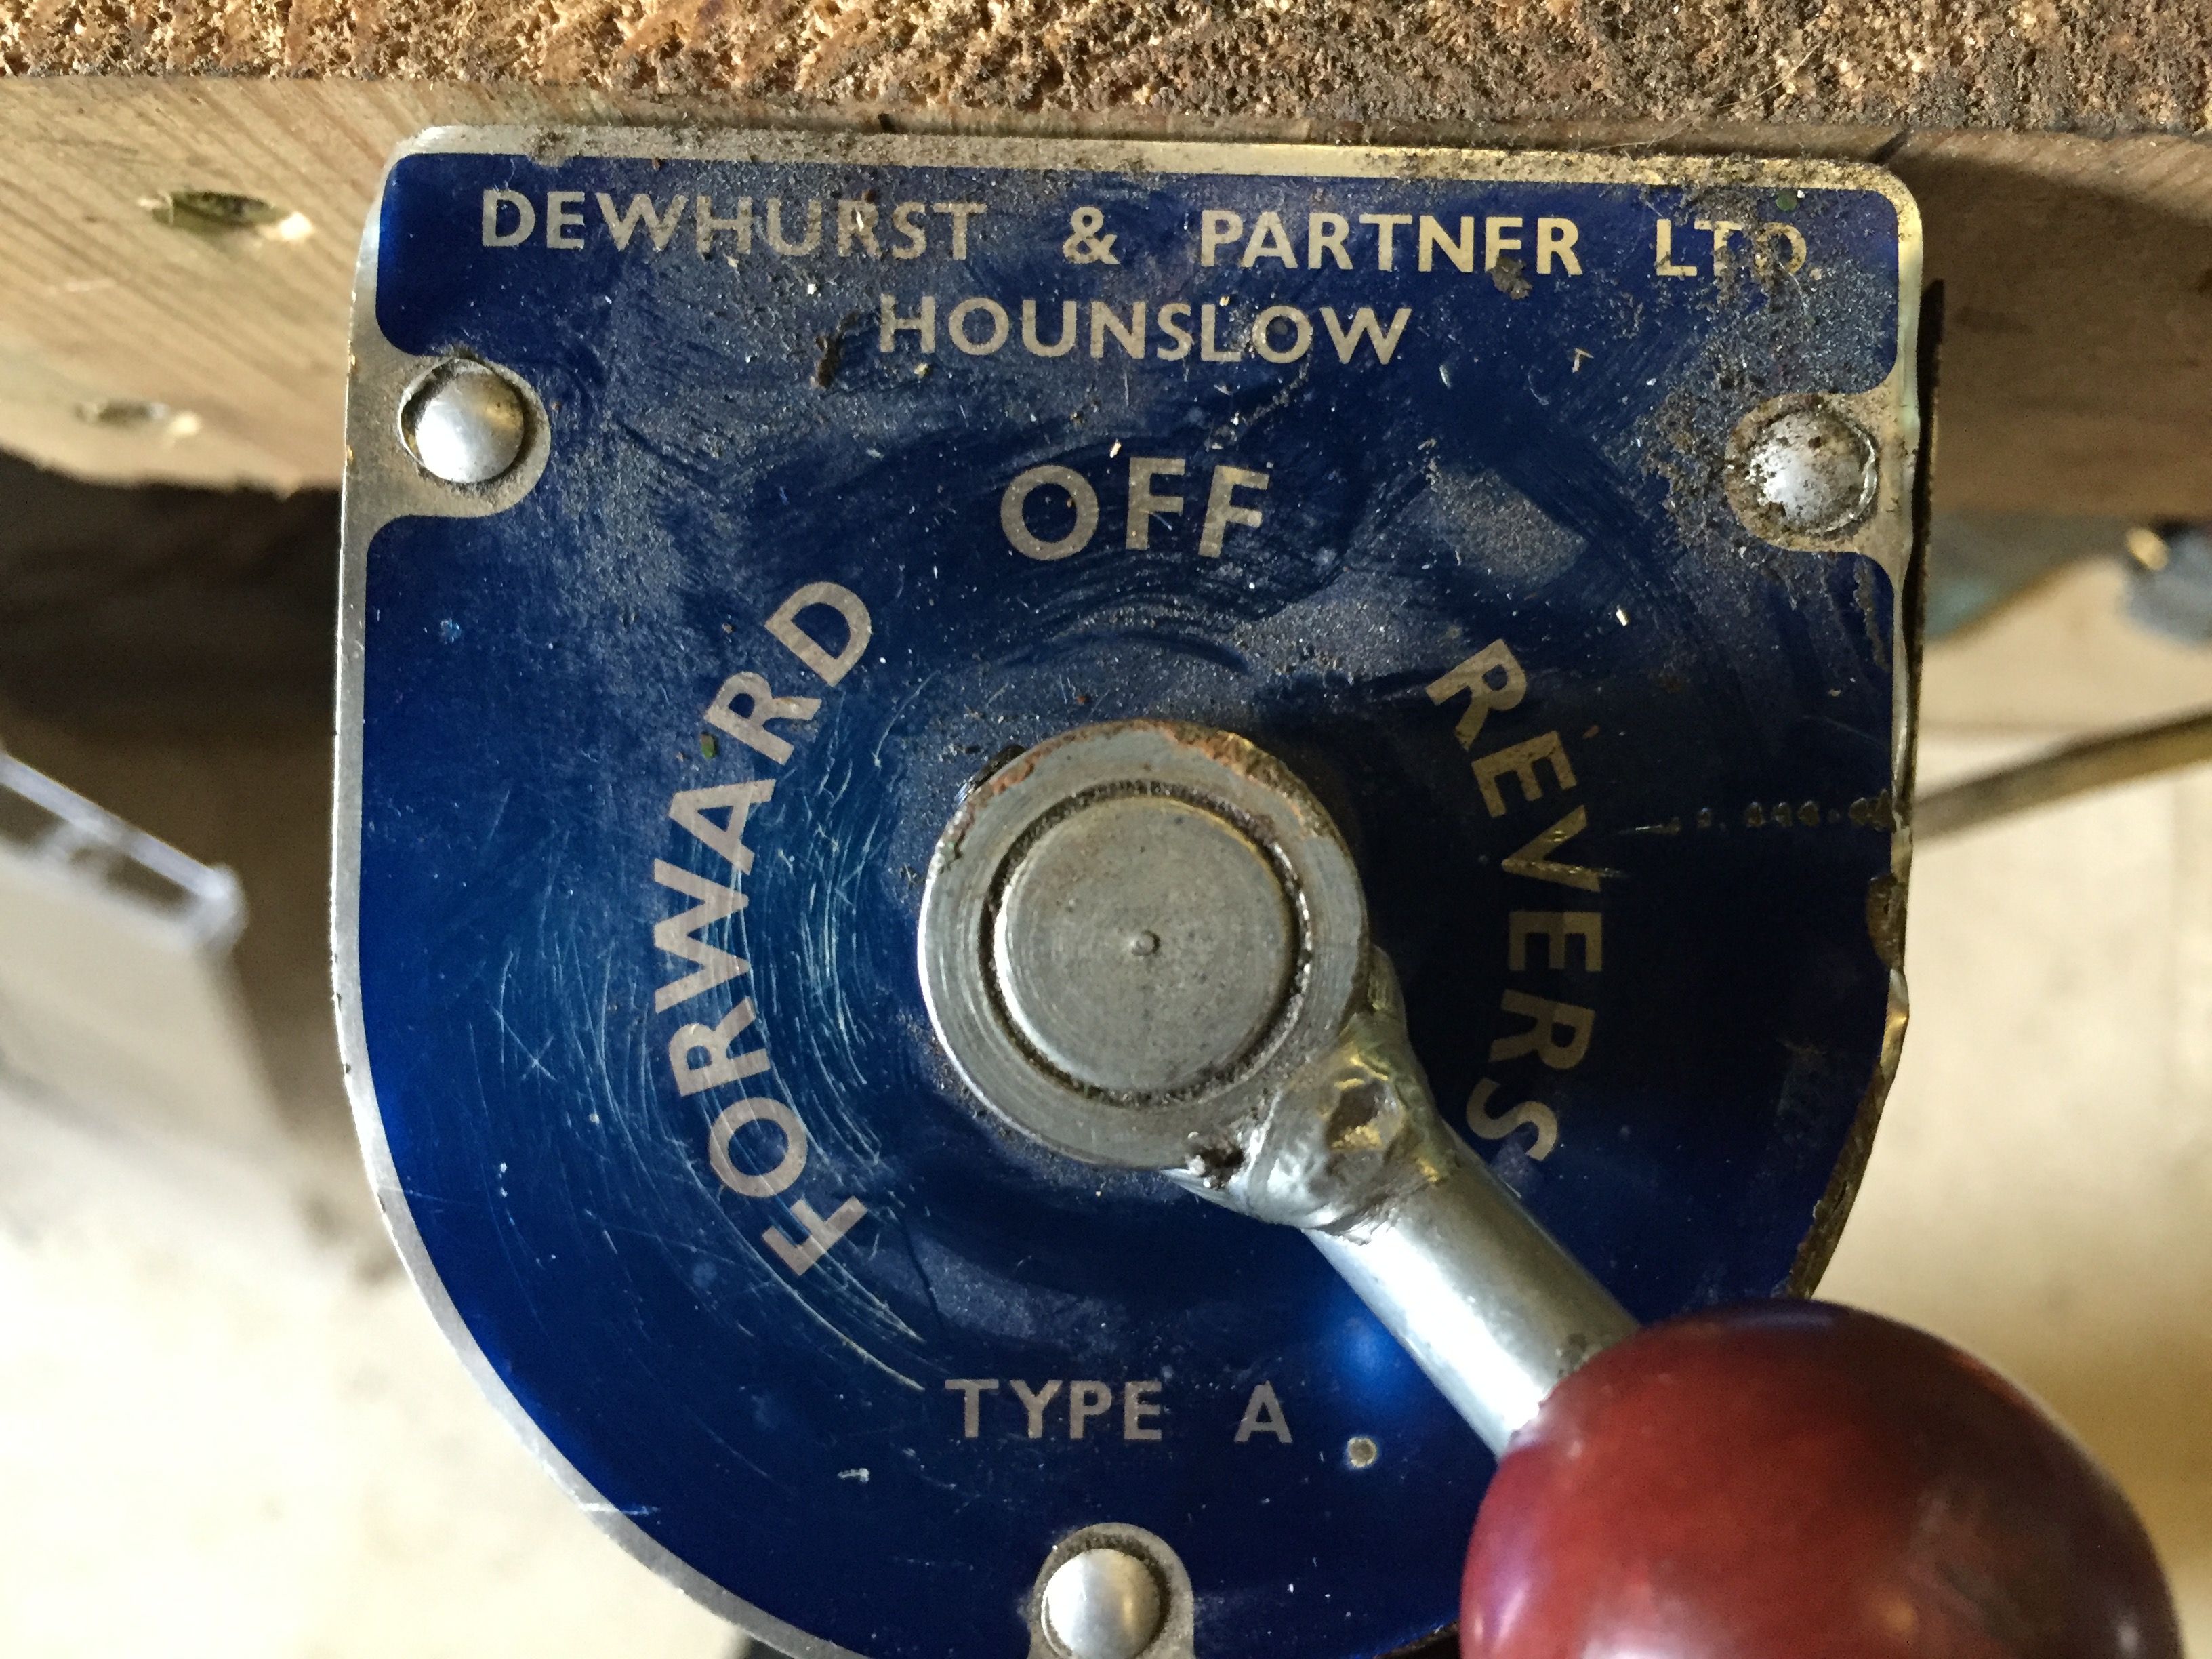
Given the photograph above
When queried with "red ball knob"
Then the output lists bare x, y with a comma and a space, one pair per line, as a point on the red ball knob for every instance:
1798, 1481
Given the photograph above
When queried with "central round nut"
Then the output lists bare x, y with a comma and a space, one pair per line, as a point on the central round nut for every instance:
1142, 944
1133, 933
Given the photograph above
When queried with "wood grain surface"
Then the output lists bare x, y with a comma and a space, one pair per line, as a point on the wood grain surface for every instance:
2106, 65
135, 344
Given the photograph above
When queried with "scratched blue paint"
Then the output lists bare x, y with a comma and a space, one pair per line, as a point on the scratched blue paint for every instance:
533, 690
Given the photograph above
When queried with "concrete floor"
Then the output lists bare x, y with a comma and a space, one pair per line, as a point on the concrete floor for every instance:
228, 1427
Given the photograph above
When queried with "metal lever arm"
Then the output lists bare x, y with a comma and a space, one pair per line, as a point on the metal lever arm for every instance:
1352, 1152
1146, 945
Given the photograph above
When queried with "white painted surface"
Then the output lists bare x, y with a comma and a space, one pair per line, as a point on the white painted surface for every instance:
221, 1439
2063, 659
2041, 1190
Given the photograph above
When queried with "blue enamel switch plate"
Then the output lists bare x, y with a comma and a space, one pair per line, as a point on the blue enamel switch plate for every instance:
847, 464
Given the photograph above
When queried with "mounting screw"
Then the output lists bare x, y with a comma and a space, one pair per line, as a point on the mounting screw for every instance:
463, 422
1807, 471
1103, 1603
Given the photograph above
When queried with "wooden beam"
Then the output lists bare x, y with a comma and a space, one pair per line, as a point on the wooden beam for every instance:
140, 339
2096, 65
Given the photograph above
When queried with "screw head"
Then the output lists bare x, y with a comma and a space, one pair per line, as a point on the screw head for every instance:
1103, 1603
1807, 471
463, 422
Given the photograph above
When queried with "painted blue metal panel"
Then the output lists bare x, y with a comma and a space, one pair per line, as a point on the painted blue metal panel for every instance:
1535, 462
